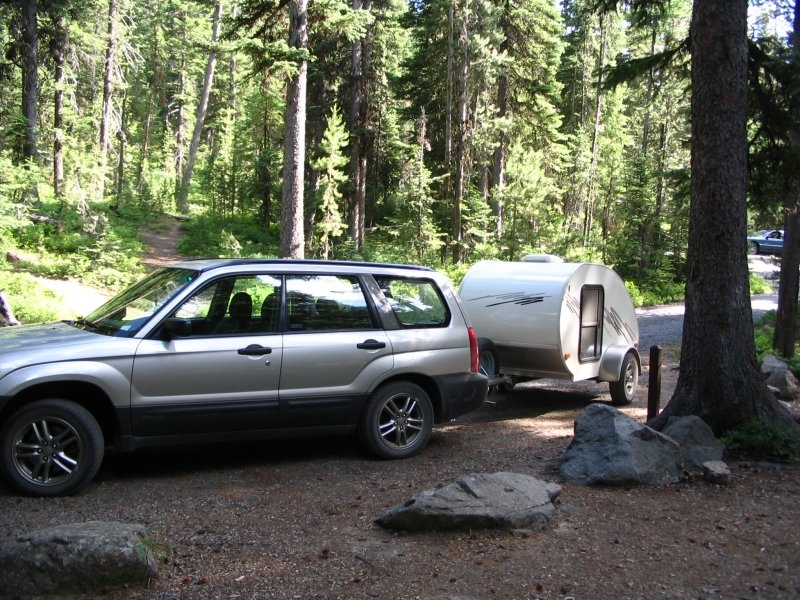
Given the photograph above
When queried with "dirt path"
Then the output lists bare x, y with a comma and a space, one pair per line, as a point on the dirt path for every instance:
163, 240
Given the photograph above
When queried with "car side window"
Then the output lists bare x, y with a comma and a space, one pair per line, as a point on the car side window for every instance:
415, 302
238, 305
326, 303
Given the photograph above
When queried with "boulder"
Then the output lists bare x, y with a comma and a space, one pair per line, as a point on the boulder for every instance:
696, 440
793, 408
478, 501
611, 448
780, 379
77, 558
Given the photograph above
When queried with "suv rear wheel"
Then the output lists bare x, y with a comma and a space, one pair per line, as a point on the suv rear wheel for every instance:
51, 447
397, 420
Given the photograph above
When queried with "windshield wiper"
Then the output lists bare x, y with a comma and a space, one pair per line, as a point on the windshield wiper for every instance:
84, 324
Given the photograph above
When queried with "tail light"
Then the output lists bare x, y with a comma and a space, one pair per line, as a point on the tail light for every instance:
474, 359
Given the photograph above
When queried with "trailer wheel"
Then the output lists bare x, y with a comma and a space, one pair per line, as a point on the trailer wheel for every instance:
623, 390
487, 355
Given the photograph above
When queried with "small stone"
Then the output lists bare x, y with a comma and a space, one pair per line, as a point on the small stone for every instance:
717, 472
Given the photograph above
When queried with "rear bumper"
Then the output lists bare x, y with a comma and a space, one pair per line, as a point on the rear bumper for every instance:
460, 393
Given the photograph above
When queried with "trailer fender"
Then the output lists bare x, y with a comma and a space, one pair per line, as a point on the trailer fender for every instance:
611, 363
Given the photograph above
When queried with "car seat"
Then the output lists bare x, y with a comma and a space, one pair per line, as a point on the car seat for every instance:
327, 316
240, 313
270, 312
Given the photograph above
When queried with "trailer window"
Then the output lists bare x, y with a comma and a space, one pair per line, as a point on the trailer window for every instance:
591, 330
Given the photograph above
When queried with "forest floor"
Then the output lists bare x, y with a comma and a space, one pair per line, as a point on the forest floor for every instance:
295, 519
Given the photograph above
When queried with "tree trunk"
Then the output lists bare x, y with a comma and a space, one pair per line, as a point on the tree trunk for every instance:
358, 126
144, 152
180, 120
591, 190
30, 77
786, 321
788, 289
719, 379
108, 82
461, 140
448, 125
57, 51
291, 245
120, 177
182, 201
499, 158
233, 188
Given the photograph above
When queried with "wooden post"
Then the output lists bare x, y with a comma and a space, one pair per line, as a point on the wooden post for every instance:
654, 388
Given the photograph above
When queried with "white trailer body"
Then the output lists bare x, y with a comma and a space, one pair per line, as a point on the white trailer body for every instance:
572, 321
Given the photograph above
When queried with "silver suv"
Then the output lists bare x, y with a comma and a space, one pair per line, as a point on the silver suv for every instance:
224, 350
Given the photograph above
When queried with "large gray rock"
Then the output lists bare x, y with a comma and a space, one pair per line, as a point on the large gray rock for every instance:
479, 501
793, 408
611, 448
696, 439
76, 558
780, 378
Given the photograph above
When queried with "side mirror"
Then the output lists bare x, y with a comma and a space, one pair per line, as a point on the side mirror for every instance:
177, 328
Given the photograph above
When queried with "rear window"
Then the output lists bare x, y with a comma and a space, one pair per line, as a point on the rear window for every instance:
415, 302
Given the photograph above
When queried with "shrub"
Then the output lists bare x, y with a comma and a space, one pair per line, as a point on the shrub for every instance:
759, 285
764, 441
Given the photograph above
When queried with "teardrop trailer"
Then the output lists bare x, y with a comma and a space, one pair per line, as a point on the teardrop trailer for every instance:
542, 318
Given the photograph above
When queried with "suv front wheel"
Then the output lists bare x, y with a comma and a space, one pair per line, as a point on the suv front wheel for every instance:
397, 420
51, 447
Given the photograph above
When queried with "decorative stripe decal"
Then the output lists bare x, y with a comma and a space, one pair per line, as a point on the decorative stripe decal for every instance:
521, 298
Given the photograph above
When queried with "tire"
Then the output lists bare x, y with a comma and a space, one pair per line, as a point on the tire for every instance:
488, 359
623, 391
752, 248
51, 448
397, 421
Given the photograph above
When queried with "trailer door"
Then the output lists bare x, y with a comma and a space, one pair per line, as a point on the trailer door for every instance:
591, 326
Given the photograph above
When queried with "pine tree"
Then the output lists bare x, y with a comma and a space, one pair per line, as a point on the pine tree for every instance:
331, 165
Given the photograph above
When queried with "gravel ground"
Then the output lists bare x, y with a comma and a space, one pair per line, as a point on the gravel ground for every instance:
294, 519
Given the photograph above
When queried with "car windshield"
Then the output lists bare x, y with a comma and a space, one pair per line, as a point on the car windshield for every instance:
127, 312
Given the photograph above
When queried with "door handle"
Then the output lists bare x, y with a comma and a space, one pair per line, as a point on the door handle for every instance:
371, 345
254, 350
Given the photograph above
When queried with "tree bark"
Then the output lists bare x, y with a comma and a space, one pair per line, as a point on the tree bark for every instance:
358, 125
57, 51
108, 83
461, 139
719, 379
180, 102
499, 158
182, 201
785, 334
291, 245
120, 177
789, 287
30, 77
591, 190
